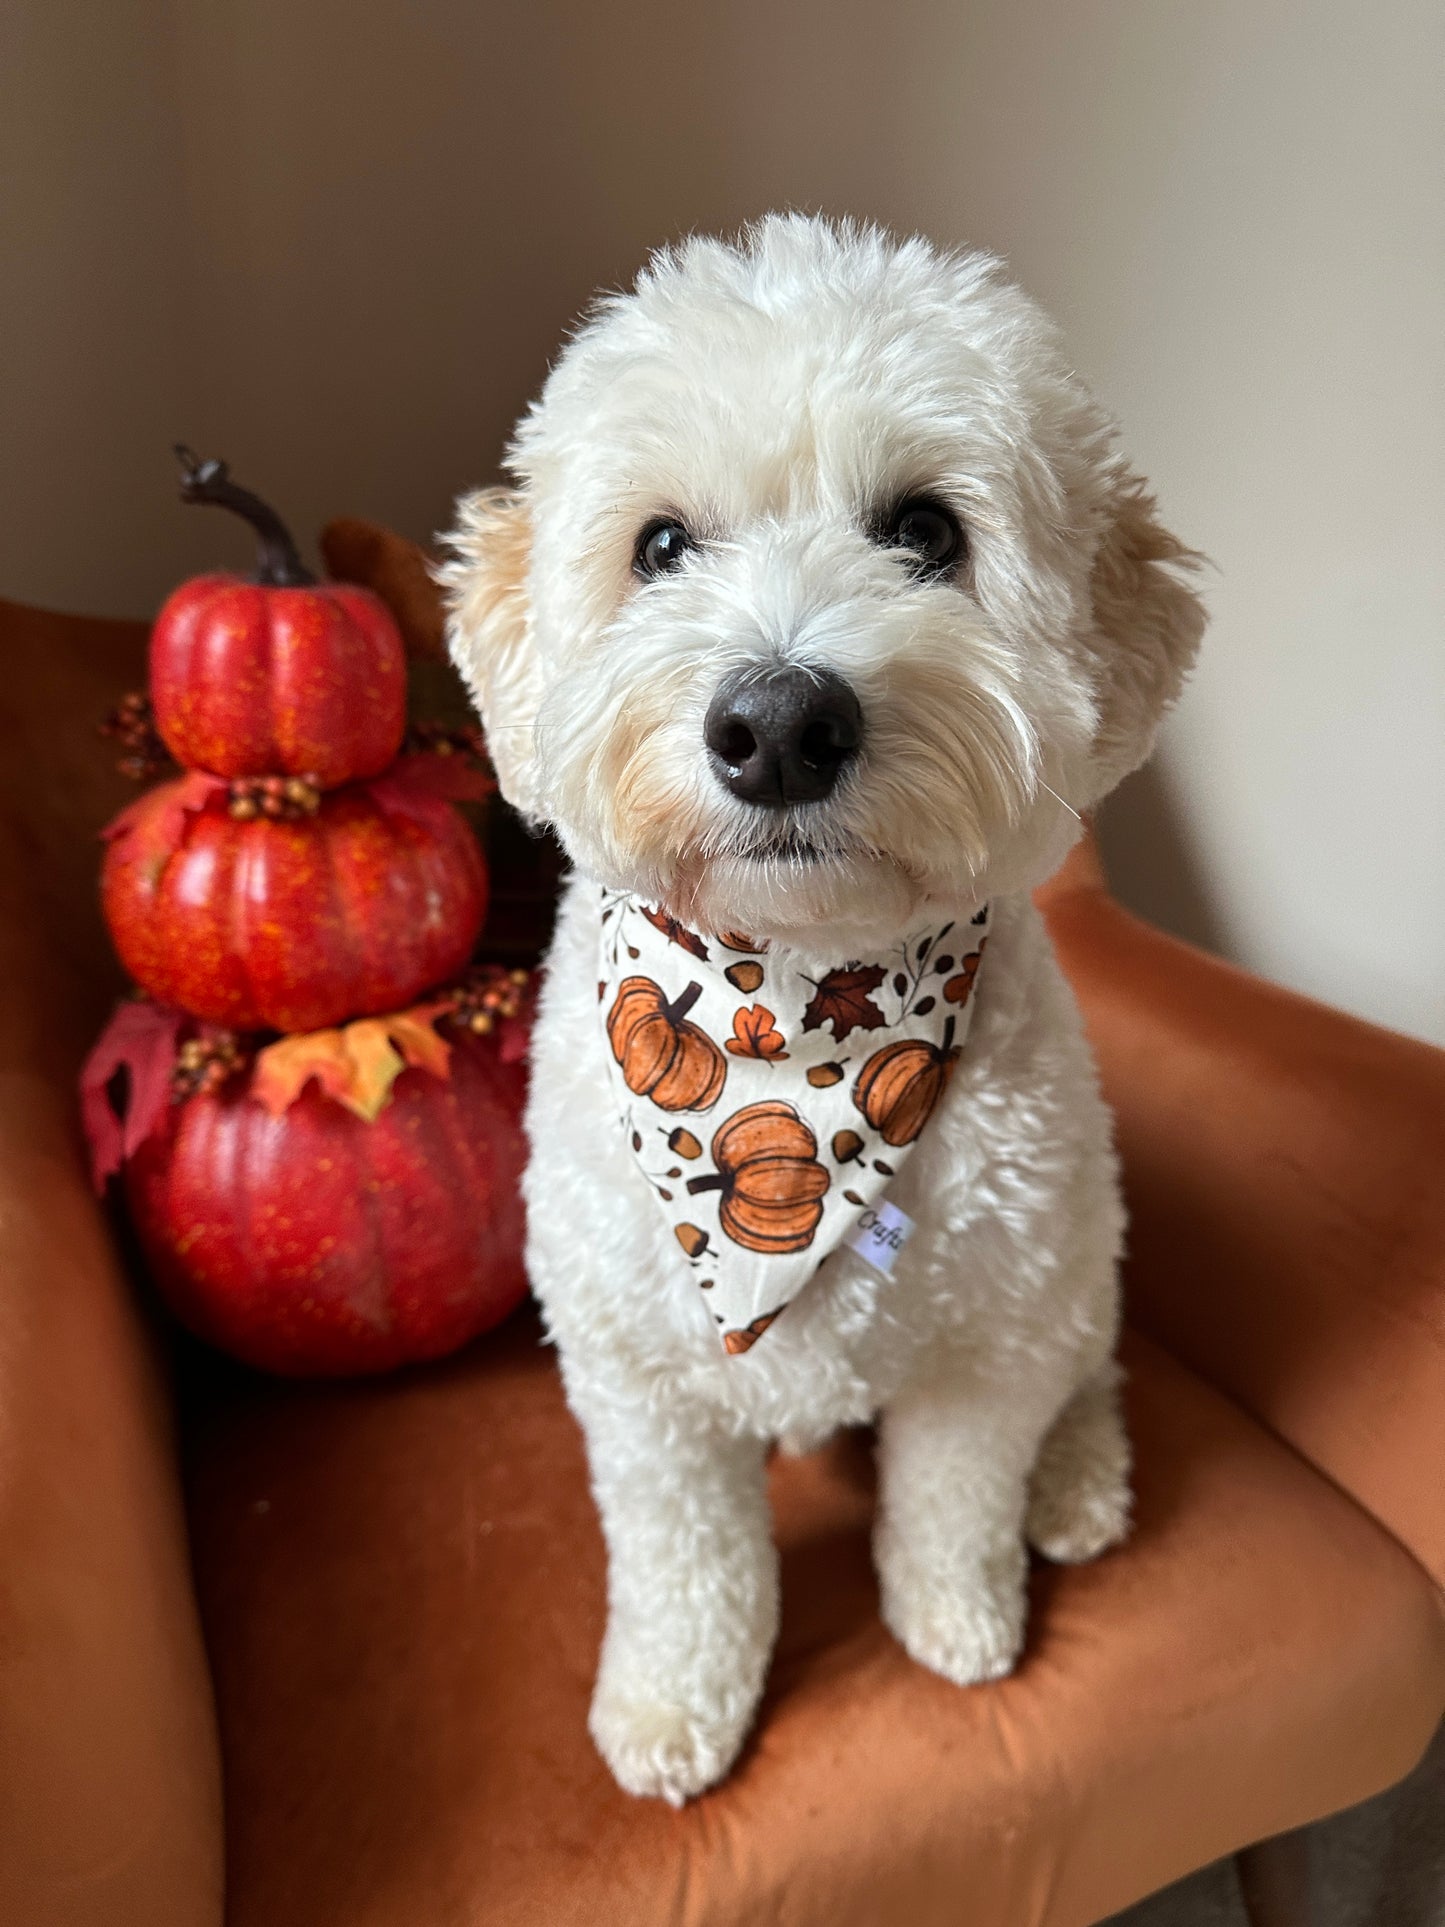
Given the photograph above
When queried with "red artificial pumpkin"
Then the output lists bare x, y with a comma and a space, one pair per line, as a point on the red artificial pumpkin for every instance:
314, 1243
293, 923
280, 675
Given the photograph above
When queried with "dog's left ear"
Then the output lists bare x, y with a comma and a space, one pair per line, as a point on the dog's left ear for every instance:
489, 632
1147, 624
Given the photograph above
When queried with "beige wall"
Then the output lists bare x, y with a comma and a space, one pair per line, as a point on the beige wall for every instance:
338, 239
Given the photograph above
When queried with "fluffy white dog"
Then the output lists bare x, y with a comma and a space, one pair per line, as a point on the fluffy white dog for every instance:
823, 603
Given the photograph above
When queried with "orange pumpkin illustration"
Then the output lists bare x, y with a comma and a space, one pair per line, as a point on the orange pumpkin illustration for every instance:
663, 1055
770, 1178
900, 1085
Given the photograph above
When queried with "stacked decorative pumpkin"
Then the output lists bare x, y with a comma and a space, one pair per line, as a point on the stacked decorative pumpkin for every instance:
343, 1197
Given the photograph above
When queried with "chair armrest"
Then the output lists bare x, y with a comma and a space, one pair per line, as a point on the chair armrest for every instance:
109, 1761
1285, 1168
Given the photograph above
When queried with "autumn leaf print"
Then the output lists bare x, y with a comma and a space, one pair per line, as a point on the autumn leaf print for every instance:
958, 989
755, 1034
677, 933
844, 999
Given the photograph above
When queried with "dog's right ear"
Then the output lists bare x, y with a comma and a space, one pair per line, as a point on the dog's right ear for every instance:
489, 632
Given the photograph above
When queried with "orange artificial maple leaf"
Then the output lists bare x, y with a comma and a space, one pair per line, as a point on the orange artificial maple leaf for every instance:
356, 1065
755, 1034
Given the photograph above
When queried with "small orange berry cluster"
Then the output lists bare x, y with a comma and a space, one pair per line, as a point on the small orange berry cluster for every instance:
206, 1062
488, 995
443, 739
275, 796
132, 723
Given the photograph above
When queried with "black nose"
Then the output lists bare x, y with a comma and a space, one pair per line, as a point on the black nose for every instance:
784, 736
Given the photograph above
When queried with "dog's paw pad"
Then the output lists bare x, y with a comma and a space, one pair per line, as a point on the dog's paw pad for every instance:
661, 1751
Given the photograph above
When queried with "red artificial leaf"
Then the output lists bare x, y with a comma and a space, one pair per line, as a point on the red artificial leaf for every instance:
844, 999
755, 1034
141, 1040
677, 933
414, 785
164, 828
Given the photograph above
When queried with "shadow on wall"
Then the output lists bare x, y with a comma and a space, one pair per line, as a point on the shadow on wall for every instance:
1152, 862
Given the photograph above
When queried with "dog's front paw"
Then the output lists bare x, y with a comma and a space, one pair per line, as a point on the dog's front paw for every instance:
969, 1628
661, 1748
1071, 1522
1079, 1498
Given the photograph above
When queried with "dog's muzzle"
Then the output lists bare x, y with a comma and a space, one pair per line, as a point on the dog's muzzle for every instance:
782, 737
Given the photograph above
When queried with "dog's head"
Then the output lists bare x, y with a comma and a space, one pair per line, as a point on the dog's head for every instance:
824, 596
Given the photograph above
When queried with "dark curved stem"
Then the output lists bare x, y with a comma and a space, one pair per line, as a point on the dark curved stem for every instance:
710, 1183
677, 1010
948, 1029
279, 564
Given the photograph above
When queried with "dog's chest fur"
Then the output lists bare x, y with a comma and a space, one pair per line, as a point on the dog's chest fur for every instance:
1021, 1122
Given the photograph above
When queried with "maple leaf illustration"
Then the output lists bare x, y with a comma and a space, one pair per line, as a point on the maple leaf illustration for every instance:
958, 989
755, 1034
844, 999
677, 933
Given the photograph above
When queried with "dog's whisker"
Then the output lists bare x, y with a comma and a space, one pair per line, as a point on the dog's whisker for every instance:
1060, 800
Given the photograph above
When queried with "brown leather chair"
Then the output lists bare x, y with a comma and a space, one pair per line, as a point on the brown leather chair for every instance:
372, 1610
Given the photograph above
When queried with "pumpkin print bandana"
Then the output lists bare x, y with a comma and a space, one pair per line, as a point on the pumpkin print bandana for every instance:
769, 1108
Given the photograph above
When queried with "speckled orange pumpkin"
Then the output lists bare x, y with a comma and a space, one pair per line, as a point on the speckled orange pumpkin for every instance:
900, 1085
279, 675
313, 1243
292, 924
663, 1054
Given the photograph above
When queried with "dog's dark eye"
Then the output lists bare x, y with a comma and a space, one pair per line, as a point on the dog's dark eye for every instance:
929, 531
660, 547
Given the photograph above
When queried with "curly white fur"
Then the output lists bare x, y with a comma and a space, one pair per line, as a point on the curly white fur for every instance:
776, 394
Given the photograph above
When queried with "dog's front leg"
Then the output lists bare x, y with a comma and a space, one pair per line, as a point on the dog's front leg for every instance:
692, 1584
954, 1456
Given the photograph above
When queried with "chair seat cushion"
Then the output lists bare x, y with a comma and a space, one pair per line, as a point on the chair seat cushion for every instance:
402, 1585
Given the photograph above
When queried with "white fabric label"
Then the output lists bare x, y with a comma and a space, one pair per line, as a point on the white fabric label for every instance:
880, 1235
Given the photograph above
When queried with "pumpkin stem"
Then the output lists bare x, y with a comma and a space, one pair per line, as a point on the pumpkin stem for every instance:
675, 1012
713, 1182
947, 1045
279, 564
